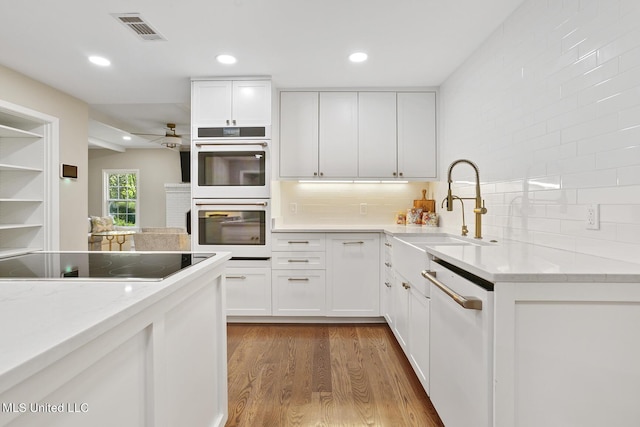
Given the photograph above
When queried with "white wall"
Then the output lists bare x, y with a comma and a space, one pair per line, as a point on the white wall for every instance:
157, 167
549, 109
73, 115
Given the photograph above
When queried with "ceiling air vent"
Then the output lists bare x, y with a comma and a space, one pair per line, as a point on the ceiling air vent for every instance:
137, 24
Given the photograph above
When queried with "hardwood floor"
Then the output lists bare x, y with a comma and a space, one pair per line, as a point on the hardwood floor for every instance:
322, 375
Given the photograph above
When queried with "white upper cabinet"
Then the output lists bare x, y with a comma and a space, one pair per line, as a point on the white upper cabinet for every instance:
231, 103
416, 135
377, 152
338, 134
298, 134
366, 134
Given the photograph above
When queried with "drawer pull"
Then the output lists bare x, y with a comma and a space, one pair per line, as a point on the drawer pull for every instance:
237, 277
388, 264
298, 279
469, 303
387, 284
406, 285
353, 243
298, 242
387, 244
298, 260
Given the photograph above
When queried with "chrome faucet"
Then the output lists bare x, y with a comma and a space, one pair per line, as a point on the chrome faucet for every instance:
479, 210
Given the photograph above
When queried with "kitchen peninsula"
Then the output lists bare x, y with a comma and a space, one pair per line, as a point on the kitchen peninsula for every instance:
555, 329
128, 350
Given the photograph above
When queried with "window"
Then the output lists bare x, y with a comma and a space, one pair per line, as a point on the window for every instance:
121, 197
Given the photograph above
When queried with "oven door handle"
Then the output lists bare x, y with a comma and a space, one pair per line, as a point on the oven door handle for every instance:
204, 144
469, 303
231, 204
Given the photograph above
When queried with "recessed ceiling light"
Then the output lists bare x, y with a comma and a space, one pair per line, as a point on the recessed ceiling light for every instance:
226, 59
99, 60
358, 57
126, 138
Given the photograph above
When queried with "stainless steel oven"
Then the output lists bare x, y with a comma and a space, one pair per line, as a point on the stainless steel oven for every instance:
242, 227
231, 169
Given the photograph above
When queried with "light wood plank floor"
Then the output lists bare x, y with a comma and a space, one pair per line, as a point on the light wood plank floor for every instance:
322, 375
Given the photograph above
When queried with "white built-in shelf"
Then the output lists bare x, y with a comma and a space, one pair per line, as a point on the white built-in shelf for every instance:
10, 132
16, 226
7, 252
14, 200
6, 167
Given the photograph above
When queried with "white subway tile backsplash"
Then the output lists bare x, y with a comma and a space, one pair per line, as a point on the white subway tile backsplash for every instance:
547, 109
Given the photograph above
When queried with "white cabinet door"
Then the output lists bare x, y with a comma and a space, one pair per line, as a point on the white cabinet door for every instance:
377, 135
353, 274
248, 291
251, 103
417, 134
400, 291
230, 103
419, 306
211, 103
298, 134
338, 135
297, 242
298, 292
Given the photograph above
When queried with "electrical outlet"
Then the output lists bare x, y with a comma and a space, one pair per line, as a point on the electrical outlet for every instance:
293, 208
593, 217
363, 208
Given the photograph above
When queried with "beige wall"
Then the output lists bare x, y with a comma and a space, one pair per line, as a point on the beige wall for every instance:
73, 115
339, 203
156, 168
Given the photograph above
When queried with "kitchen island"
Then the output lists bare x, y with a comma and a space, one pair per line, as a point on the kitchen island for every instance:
123, 351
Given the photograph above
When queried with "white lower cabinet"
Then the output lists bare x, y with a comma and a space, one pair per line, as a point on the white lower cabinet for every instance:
401, 311
386, 290
248, 291
353, 274
298, 274
419, 316
298, 292
326, 274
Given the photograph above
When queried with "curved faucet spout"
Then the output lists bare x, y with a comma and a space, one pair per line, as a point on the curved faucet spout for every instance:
479, 209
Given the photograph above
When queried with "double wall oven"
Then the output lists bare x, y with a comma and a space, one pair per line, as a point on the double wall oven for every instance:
231, 180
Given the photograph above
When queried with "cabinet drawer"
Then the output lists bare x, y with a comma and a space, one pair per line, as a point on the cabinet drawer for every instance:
248, 291
297, 242
298, 260
298, 293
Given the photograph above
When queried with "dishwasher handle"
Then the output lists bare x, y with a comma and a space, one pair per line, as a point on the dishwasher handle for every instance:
469, 303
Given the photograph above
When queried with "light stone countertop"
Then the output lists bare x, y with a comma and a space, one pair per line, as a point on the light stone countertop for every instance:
504, 261
43, 321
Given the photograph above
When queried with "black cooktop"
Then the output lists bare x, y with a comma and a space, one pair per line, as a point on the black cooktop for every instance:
96, 265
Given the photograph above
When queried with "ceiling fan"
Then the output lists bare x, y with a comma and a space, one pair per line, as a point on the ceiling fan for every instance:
170, 139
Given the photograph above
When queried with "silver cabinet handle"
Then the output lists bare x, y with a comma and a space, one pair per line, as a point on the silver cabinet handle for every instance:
298, 279
298, 260
353, 243
227, 122
237, 277
387, 284
388, 264
221, 143
234, 122
296, 242
387, 244
406, 285
469, 303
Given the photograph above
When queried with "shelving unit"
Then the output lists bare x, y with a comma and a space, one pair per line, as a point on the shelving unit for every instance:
28, 188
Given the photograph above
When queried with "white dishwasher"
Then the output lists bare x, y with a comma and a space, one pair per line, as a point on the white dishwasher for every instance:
461, 362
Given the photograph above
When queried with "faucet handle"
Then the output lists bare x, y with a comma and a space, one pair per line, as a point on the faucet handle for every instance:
481, 210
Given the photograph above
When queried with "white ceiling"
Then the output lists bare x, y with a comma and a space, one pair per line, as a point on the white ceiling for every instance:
299, 43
